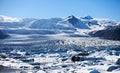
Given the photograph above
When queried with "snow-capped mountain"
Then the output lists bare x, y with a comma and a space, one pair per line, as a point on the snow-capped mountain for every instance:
77, 23
69, 25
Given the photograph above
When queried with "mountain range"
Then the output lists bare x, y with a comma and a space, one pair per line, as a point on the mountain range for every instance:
70, 25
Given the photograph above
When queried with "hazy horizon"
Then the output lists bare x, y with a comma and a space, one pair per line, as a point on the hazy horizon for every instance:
52, 8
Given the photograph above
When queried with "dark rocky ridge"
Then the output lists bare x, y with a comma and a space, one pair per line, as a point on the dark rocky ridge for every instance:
110, 33
72, 19
3, 35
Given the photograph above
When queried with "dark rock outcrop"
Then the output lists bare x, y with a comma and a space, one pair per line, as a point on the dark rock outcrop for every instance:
2, 68
111, 68
3, 35
118, 62
72, 19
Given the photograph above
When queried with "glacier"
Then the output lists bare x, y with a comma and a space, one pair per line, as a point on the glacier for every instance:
48, 45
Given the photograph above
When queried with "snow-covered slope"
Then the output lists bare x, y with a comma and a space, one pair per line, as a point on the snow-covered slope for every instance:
69, 25
76, 22
8, 19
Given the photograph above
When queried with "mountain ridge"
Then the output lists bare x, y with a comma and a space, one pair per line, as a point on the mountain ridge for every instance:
110, 33
69, 25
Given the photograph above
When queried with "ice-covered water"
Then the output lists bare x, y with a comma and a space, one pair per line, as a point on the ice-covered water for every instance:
51, 54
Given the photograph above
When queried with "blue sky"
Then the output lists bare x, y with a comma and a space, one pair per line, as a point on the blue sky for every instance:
60, 8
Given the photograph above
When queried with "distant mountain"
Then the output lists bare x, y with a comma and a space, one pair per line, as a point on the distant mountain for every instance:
70, 25
110, 33
8, 19
77, 22
72, 19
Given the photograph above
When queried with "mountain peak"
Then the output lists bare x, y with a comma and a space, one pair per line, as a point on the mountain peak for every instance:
76, 22
71, 16
72, 19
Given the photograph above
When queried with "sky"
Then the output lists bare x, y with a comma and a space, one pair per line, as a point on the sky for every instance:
60, 8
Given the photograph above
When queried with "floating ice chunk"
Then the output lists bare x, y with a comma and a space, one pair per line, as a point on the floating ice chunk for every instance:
40, 71
94, 71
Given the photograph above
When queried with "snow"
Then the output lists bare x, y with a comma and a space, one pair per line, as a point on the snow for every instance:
40, 71
9, 19
54, 25
61, 61
106, 22
15, 64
